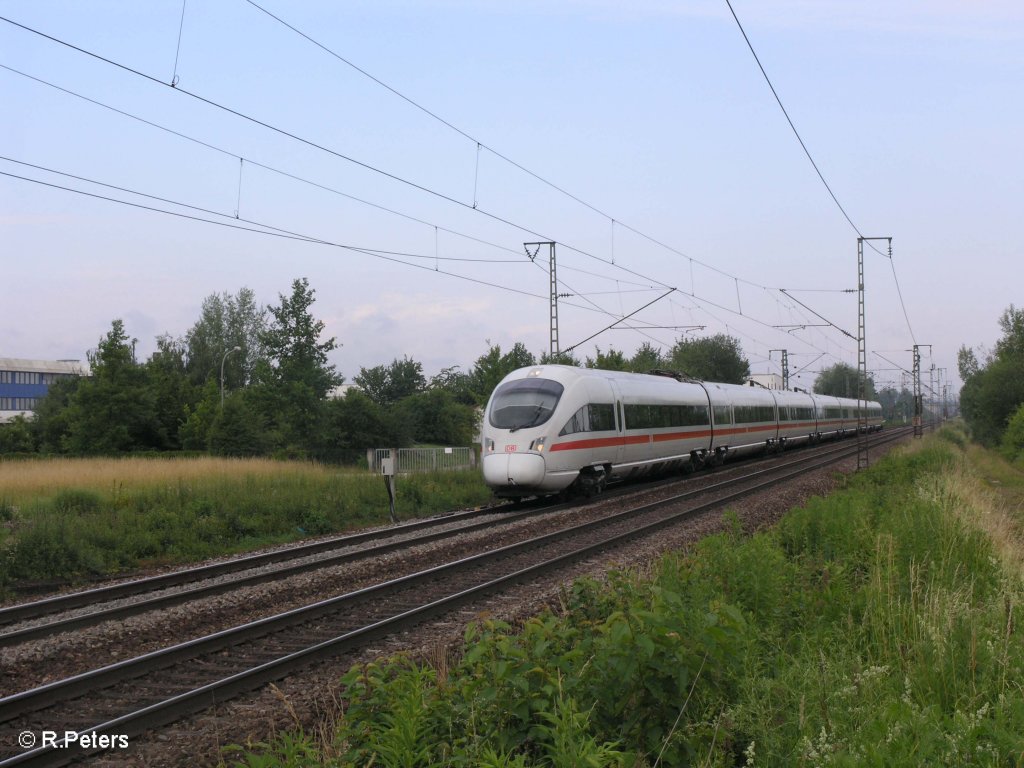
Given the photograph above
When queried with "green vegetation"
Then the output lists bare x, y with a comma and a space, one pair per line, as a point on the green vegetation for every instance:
1012, 442
247, 380
68, 518
841, 380
715, 358
876, 627
993, 390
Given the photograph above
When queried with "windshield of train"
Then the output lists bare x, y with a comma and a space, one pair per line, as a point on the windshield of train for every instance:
524, 403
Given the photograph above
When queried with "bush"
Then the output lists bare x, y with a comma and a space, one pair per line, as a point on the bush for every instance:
72, 501
188, 509
1012, 445
48, 550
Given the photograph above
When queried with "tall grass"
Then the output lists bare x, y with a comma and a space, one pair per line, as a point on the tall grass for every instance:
63, 518
30, 480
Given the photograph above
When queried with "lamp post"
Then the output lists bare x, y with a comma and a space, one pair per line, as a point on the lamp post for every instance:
233, 349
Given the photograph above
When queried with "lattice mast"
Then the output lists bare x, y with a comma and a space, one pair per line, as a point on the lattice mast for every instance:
553, 348
862, 356
918, 404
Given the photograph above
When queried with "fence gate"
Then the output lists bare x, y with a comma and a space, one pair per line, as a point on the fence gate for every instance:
422, 459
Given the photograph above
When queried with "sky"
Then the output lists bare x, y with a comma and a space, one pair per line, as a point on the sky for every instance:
399, 154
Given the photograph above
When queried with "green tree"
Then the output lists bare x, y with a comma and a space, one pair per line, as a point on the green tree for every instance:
387, 384
51, 425
239, 429
114, 409
198, 418
647, 358
967, 363
355, 423
436, 417
226, 322
1011, 345
293, 344
994, 391
452, 380
295, 380
840, 380
713, 358
16, 436
897, 405
991, 397
565, 357
492, 366
612, 360
172, 390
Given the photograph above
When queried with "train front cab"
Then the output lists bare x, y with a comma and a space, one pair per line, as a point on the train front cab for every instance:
513, 435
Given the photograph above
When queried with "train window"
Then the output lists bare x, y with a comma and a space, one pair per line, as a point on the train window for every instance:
595, 417
524, 403
643, 416
602, 417
748, 414
576, 423
638, 416
699, 415
723, 414
803, 414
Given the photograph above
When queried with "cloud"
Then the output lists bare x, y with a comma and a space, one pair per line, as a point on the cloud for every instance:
415, 308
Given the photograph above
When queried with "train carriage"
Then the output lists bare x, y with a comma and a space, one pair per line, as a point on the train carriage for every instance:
549, 428
835, 416
798, 423
745, 419
664, 423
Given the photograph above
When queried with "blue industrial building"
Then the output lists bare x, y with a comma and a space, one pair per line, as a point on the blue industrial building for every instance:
23, 383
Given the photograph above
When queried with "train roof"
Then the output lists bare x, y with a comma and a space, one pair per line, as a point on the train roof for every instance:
564, 374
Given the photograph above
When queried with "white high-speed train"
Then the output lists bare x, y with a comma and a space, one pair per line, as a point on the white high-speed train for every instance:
552, 428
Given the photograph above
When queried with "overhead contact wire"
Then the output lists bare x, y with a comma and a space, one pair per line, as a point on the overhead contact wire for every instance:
315, 145
387, 174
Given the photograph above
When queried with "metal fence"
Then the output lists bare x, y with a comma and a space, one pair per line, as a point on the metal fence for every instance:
422, 459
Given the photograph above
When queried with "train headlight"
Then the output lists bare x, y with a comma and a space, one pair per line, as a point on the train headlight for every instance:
490, 445
538, 444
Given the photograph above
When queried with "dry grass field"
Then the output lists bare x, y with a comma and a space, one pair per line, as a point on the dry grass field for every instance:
66, 518
26, 480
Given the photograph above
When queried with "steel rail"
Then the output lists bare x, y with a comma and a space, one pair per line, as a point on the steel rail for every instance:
195, 700
185, 576
177, 598
37, 608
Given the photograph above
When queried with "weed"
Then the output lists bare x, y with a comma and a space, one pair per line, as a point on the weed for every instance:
71, 501
80, 516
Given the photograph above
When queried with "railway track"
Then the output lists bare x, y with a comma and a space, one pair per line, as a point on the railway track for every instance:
73, 611
76, 610
129, 697
118, 601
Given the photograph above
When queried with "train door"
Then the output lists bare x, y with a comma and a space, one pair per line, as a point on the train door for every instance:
620, 424
712, 440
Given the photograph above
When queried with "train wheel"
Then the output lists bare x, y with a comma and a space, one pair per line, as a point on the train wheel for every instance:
592, 480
